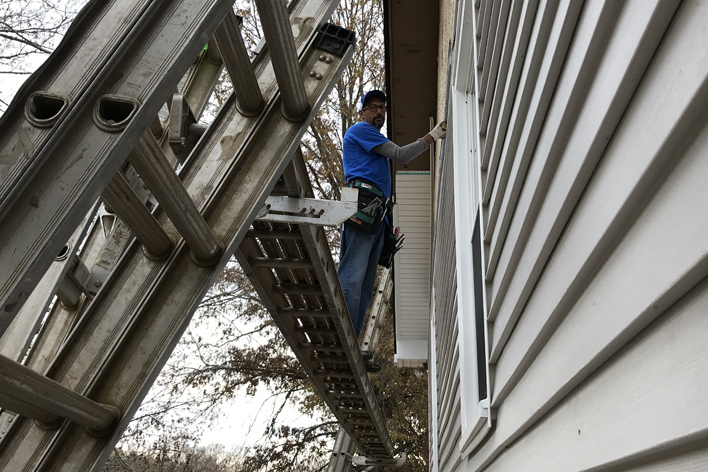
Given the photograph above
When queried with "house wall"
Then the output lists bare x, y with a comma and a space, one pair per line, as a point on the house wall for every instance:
588, 152
444, 396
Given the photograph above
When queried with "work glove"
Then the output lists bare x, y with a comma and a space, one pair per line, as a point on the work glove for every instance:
399, 237
439, 131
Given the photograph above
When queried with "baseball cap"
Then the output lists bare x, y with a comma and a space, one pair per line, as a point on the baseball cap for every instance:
372, 94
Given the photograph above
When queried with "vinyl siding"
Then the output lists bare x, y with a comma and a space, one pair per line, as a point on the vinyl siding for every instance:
594, 119
445, 311
412, 267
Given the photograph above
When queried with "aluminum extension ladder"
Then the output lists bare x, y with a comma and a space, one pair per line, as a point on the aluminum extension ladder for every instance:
129, 280
344, 448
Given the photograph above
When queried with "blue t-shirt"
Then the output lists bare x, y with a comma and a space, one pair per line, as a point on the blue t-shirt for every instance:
360, 162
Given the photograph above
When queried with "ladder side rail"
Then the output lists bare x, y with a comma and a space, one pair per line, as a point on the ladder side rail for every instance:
126, 335
46, 98
379, 309
84, 154
16, 341
344, 447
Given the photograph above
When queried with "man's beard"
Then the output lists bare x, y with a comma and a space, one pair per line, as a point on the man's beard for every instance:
379, 122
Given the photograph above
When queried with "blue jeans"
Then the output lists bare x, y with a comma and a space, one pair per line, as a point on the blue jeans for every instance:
360, 253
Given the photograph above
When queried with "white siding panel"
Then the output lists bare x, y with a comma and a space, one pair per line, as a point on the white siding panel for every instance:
600, 358
649, 399
517, 37
412, 267
640, 156
572, 154
504, 197
652, 267
530, 56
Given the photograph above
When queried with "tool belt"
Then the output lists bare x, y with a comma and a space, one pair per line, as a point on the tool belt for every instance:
372, 208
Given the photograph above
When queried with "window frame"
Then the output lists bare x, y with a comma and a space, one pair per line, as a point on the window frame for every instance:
476, 418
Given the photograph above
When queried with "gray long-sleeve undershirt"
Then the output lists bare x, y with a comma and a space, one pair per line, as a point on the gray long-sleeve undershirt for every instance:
401, 154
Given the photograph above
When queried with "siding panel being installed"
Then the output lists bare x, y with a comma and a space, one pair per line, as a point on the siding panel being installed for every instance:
412, 268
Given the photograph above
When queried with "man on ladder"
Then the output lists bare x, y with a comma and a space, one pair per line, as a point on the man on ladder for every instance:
368, 238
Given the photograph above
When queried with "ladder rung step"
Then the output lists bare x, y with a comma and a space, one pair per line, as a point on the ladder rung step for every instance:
321, 347
151, 163
121, 197
339, 383
315, 329
31, 394
351, 402
235, 57
303, 312
336, 373
298, 289
363, 429
377, 452
332, 360
352, 405
273, 234
345, 394
354, 412
355, 421
278, 33
280, 263
375, 445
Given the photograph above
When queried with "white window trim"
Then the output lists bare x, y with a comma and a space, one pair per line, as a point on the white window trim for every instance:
432, 390
475, 420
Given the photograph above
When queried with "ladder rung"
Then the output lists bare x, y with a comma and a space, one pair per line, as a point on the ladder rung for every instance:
361, 429
334, 394
321, 347
355, 421
340, 382
35, 396
280, 263
152, 165
298, 289
354, 411
304, 312
123, 200
337, 373
238, 64
278, 33
332, 360
315, 329
273, 234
